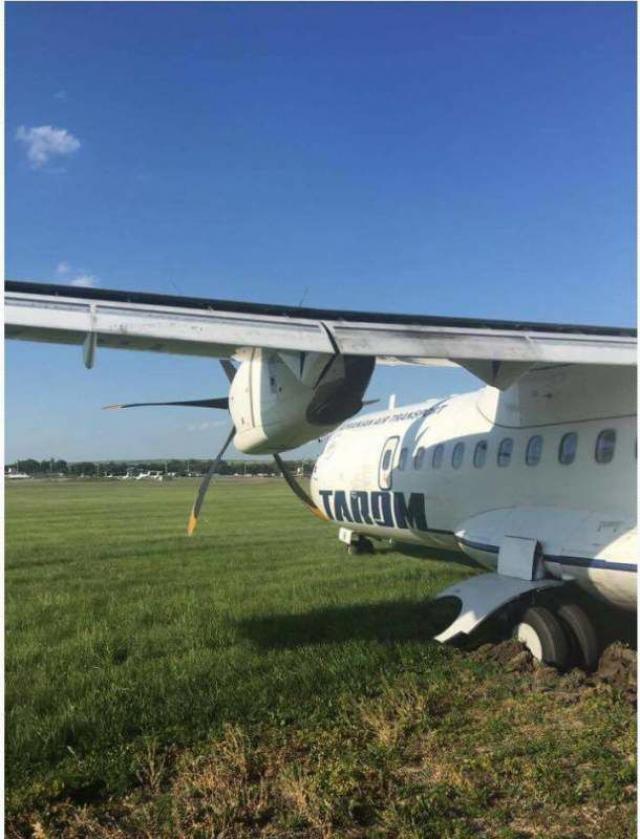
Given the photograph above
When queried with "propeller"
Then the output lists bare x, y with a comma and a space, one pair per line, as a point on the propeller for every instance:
223, 403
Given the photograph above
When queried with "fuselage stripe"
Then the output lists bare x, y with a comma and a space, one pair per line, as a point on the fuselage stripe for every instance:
580, 561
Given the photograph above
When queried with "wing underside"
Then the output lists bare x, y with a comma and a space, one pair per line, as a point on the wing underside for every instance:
222, 329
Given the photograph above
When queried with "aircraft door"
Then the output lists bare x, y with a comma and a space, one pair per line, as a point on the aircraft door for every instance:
386, 462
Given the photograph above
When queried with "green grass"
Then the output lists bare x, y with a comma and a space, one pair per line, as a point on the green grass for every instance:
255, 680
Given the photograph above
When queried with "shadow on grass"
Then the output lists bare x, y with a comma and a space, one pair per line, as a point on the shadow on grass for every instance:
386, 622
423, 552
409, 620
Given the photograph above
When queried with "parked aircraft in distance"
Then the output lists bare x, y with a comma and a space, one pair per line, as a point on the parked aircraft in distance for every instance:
532, 476
13, 475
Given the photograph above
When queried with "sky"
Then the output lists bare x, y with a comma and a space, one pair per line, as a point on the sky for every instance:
464, 159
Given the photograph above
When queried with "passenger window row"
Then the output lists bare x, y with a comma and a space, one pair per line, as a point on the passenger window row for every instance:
604, 451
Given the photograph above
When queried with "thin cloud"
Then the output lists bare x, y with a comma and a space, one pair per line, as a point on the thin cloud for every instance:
44, 142
84, 281
60, 95
77, 277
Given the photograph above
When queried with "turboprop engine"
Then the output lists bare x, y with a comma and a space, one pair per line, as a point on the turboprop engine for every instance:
279, 400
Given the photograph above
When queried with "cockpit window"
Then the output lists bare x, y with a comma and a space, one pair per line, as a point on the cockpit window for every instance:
418, 460
402, 460
386, 460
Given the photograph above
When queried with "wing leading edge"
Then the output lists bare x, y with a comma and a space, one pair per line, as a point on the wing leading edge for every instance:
221, 328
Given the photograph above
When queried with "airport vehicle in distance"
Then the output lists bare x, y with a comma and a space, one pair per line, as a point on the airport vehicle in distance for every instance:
533, 475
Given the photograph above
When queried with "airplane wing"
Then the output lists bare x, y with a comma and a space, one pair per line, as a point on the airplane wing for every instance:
221, 328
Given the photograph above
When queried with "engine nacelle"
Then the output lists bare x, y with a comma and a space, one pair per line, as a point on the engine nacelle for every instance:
281, 400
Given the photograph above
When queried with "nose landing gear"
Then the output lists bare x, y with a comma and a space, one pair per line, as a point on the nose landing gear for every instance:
359, 546
355, 542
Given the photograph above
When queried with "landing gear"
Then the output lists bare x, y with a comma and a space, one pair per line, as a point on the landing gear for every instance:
584, 649
361, 545
560, 635
541, 632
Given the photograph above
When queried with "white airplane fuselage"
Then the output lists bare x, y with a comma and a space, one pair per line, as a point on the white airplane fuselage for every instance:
575, 495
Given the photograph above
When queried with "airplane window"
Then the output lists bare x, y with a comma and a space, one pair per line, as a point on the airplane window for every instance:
534, 450
480, 454
457, 455
402, 460
418, 460
568, 446
504, 451
386, 459
605, 446
438, 454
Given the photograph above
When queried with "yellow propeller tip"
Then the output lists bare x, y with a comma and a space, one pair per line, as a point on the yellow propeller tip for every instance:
111, 407
193, 523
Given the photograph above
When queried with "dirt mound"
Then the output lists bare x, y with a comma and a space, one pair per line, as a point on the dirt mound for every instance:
513, 655
618, 668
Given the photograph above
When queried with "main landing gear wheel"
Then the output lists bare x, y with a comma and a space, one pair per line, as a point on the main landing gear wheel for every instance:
541, 632
583, 643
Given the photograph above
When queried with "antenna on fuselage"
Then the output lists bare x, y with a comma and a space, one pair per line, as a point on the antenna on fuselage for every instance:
392, 402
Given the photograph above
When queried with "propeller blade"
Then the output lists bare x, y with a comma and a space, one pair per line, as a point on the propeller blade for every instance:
223, 403
370, 402
204, 486
325, 369
228, 368
298, 490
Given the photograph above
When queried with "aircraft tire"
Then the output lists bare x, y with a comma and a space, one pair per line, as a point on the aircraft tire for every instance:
542, 633
583, 641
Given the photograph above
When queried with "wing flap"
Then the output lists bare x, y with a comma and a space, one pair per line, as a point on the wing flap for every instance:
423, 342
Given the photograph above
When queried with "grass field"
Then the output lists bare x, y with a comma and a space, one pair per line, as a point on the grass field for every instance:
254, 680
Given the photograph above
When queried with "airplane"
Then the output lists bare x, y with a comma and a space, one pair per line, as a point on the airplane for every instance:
533, 476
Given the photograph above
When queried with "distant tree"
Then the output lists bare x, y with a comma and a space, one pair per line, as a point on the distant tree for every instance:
29, 466
84, 468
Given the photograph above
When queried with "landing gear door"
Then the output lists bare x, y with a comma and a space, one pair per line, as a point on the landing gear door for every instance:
385, 469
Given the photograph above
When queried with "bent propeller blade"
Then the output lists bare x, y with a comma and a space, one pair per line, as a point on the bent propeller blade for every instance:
298, 490
204, 486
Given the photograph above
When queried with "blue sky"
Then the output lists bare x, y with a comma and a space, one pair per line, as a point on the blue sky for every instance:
454, 159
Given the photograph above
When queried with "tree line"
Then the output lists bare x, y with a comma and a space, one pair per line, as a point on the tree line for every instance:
119, 468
